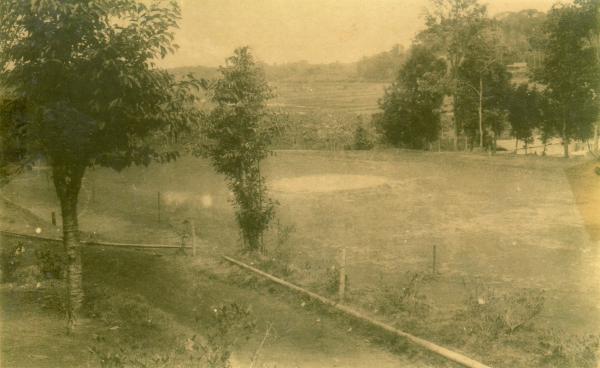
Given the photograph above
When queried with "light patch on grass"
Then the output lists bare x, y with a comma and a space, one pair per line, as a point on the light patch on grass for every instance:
327, 183
179, 199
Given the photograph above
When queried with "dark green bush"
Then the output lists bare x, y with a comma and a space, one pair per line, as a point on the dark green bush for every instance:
27, 275
50, 261
11, 258
362, 141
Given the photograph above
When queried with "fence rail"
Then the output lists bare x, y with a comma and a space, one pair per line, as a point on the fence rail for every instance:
97, 243
434, 348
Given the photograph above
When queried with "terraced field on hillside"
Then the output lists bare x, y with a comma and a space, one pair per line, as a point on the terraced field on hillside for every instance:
347, 97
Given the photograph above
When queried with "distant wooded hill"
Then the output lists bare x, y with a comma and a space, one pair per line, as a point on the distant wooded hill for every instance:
518, 30
379, 67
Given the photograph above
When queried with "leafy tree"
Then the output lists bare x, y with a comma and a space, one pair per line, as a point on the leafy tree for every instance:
518, 32
451, 27
241, 129
483, 84
84, 90
570, 70
524, 113
411, 105
550, 118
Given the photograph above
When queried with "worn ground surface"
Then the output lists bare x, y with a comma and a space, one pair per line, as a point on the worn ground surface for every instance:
32, 333
504, 222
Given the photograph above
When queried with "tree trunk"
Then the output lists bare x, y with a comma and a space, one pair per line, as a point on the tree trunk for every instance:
525, 147
565, 140
545, 146
455, 122
67, 182
480, 113
516, 146
596, 136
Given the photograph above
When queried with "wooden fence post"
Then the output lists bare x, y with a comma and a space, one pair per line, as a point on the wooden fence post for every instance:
158, 205
193, 231
434, 259
342, 286
53, 218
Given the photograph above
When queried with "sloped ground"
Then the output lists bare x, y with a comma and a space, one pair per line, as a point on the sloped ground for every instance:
503, 223
302, 335
585, 184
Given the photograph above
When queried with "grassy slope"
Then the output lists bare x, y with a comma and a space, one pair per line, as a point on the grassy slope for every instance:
509, 222
33, 335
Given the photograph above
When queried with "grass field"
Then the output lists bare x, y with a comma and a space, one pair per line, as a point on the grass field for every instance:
343, 97
502, 223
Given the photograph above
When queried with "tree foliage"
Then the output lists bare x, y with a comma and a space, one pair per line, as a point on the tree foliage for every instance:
483, 86
570, 70
525, 112
241, 129
451, 27
520, 32
411, 105
362, 141
82, 89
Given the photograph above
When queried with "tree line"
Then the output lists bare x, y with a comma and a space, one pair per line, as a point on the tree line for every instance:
461, 57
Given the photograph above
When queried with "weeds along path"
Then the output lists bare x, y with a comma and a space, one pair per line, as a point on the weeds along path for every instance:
302, 336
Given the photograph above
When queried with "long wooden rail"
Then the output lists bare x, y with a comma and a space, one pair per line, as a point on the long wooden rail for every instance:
97, 243
437, 349
440, 350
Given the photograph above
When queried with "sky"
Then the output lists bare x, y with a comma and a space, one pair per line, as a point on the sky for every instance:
317, 31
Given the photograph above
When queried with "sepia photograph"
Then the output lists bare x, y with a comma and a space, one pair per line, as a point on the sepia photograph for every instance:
299, 183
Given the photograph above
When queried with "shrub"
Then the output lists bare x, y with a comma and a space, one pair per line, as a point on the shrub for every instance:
11, 257
405, 299
28, 275
362, 140
50, 262
488, 315
561, 350
230, 324
332, 280
128, 357
278, 257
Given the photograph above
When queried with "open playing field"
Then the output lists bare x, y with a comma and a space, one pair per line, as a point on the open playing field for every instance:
499, 223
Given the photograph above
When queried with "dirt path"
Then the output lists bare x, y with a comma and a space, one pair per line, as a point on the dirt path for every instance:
302, 336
